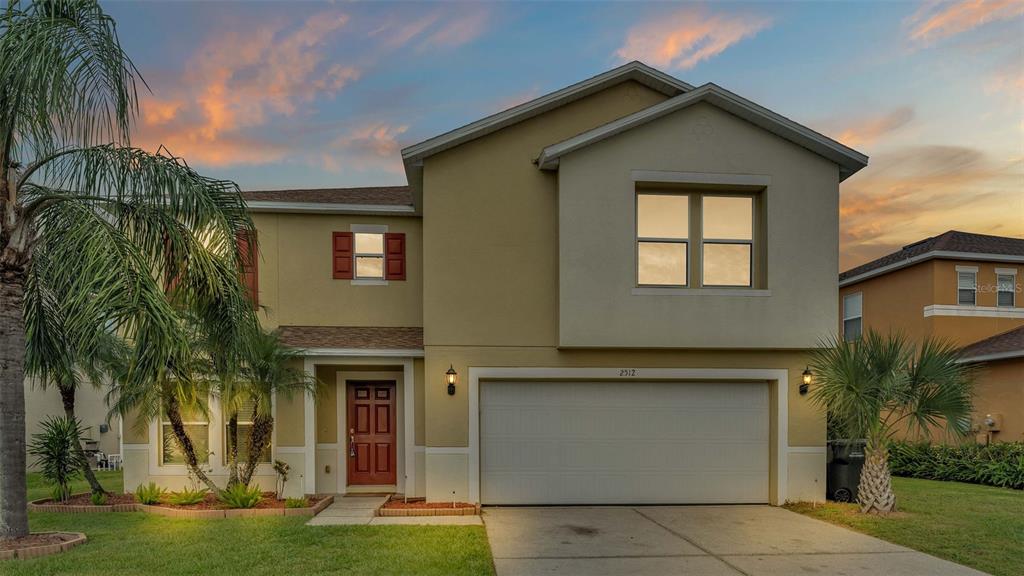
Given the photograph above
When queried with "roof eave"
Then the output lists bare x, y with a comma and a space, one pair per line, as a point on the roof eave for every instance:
931, 255
258, 206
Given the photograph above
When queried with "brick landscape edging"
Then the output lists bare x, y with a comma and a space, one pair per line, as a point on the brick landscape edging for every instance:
472, 511
42, 506
46, 549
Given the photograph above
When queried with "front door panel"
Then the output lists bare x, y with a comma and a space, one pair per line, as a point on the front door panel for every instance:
371, 421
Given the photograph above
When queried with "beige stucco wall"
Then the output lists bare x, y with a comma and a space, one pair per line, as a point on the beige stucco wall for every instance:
999, 389
597, 239
90, 408
296, 283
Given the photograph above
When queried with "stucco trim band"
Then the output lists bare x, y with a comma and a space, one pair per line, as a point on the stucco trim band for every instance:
972, 311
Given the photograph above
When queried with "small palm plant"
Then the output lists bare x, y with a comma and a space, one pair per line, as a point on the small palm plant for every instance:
880, 385
58, 455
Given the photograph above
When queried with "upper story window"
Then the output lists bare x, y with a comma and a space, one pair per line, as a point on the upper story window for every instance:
683, 239
369, 255
853, 316
966, 286
1006, 289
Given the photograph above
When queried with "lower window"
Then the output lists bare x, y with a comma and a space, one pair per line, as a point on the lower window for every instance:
198, 432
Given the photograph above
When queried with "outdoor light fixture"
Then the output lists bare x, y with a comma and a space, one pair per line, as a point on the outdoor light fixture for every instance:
806, 381
449, 377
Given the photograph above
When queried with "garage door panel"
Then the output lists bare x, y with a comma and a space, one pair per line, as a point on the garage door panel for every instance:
611, 442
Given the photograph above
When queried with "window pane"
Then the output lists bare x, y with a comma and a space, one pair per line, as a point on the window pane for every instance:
661, 263
727, 265
198, 433
244, 430
965, 297
662, 216
851, 329
369, 267
1005, 299
369, 243
852, 304
728, 217
965, 280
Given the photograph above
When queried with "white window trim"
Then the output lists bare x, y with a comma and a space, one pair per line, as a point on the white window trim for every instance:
861, 316
367, 229
973, 311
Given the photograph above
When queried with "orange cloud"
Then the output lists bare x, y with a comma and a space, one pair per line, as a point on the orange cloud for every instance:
934, 21
370, 146
868, 130
913, 193
444, 28
685, 38
458, 30
156, 112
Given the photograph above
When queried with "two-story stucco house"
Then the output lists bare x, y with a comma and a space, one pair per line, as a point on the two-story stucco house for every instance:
604, 295
959, 287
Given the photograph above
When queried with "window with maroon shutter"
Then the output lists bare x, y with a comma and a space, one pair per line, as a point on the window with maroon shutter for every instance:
394, 256
342, 251
247, 250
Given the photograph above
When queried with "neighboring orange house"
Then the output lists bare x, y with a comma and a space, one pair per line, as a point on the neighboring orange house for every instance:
961, 287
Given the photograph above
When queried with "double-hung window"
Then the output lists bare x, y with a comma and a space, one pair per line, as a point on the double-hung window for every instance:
853, 316
1006, 289
663, 228
197, 427
245, 424
966, 287
727, 232
369, 256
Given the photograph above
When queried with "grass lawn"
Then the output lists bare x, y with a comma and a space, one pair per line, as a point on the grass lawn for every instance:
977, 526
136, 543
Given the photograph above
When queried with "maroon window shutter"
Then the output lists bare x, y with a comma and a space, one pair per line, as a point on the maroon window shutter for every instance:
394, 256
342, 251
247, 250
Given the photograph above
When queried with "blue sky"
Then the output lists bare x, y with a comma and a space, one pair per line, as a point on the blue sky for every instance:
291, 95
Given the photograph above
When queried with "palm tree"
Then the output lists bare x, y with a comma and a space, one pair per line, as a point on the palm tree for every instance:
90, 227
880, 385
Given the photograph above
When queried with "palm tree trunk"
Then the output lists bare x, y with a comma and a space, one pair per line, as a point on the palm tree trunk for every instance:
188, 449
233, 449
13, 489
67, 397
262, 428
875, 490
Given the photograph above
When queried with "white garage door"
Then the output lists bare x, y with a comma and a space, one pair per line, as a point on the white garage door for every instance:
623, 442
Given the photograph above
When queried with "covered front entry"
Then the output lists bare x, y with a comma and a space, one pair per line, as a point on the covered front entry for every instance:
615, 442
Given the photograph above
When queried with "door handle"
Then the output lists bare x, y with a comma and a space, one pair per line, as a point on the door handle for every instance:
351, 444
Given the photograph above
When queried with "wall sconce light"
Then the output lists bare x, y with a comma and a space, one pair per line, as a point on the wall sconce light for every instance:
806, 383
450, 377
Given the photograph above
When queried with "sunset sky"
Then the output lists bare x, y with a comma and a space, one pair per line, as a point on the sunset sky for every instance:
292, 95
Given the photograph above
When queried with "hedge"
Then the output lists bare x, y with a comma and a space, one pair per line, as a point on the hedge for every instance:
999, 464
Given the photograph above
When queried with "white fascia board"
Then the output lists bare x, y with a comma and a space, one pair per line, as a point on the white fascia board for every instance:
848, 159
362, 352
637, 71
934, 254
329, 208
991, 357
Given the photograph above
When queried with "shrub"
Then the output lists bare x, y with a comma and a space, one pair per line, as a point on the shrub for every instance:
98, 498
149, 493
999, 464
187, 496
241, 496
296, 503
57, 454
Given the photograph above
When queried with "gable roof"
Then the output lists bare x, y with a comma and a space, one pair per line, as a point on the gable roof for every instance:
953, 244
367, 199
848, 159
637, 71
1009, 344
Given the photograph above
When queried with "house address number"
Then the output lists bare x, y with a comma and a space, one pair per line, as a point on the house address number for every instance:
627, 372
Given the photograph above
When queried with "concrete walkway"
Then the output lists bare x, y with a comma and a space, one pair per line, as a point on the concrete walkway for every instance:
705, 540
360, 510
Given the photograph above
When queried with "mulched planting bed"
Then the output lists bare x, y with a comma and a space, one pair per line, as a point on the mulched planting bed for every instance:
40, 544
210, 507
211, 503
84, 500
419, 507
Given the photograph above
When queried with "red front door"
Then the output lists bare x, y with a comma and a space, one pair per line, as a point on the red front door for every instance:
371, 423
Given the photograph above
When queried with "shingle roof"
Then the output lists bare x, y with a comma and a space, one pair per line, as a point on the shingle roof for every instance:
1006, 343
361, 337
371, 195
952, 241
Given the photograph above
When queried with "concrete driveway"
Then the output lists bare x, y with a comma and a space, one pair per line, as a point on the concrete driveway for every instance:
692, 540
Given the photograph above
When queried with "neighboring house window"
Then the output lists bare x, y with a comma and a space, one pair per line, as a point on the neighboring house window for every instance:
728, 240
1006, 290
198, 429
369, 256
853, 311
244, 431
966, 287
662, 228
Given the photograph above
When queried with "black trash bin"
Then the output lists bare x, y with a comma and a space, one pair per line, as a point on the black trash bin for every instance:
845, 460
